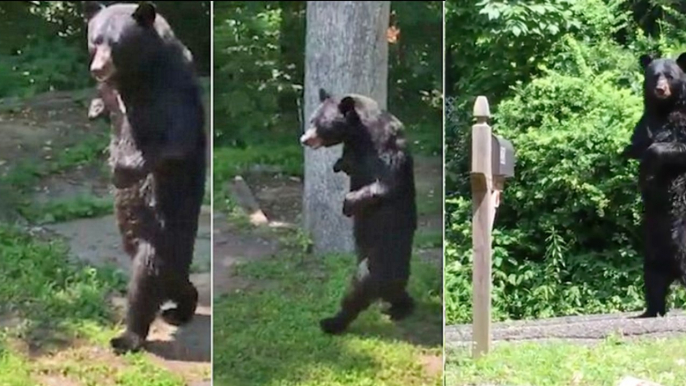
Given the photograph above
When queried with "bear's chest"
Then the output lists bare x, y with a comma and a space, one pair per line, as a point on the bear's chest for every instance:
367, 169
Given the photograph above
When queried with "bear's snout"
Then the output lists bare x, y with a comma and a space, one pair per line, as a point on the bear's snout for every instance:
662, 89
101, 67
311, 139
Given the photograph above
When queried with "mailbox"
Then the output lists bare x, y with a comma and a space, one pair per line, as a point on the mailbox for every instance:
502, 157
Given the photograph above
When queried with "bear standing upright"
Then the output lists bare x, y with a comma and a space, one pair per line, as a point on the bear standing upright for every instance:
661, 148
381, 201
157, 154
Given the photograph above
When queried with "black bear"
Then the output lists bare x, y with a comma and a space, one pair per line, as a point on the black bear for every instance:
381, 201
157, 154
661, 149
656, 105
97, 106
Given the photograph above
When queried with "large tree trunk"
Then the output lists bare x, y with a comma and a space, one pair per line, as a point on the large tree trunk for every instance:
346, 52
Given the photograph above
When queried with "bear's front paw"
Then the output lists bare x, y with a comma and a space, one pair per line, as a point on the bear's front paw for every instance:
342, 165
123, 179
628, 152
348, 205
338, 166
653, 155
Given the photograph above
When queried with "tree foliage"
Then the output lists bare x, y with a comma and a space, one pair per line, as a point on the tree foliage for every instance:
259, 60
564, 85
43, 44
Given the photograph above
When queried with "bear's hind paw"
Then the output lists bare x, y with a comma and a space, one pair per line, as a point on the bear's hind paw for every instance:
127, 342
175, 316
333, 326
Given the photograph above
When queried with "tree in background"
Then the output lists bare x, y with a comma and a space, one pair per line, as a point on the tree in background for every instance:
346, 51
259, 61
43, 44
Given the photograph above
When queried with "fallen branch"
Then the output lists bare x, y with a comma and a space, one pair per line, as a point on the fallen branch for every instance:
246, 200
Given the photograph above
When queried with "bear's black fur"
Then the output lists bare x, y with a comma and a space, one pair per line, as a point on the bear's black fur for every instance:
381, 201
655, 107
661, 150
157, 155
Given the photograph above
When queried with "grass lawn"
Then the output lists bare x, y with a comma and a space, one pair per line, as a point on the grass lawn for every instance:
558, 364
55, 322
270, 335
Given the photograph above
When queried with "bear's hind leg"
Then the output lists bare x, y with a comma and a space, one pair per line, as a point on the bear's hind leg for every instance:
657, 282
402, 304
144, 300
396, 266
178, 252
359, 297
185, 295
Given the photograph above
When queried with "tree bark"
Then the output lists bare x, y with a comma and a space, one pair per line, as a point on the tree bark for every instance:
346, 52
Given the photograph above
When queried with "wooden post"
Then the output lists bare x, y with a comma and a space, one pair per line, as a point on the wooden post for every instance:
482, 222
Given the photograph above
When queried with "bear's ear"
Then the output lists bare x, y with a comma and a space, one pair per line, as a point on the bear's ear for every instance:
91, 8
681, 61
346, 105
145, 14
645, 60
323, 95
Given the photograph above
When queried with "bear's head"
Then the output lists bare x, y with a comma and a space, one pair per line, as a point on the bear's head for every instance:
336, 121
664, 79
122, 38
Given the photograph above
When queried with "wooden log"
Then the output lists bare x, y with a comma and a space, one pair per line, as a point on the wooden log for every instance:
245, 199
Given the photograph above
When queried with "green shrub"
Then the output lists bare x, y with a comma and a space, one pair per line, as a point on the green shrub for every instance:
566, 234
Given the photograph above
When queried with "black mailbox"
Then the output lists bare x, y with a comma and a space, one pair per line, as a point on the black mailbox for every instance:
502, 157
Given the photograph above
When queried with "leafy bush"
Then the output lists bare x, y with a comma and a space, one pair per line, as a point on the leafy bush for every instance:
248, 72
566, 238
52, 64
43, 45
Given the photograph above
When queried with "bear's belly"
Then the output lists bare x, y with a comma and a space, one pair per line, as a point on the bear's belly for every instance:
664, 218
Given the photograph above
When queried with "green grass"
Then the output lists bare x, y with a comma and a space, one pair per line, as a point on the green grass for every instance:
56, 322
429, 238
62, 210
270, 334
28, 172
426, 139
562, 364
230, 162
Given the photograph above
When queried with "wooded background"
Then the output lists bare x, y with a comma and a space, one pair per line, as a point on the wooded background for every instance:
43, 45
259, 64
564, 84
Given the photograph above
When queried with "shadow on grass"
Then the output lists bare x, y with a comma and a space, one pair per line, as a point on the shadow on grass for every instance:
190, 343
271, 336
424, 327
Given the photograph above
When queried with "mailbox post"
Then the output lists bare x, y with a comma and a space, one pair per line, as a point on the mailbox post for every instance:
493, 161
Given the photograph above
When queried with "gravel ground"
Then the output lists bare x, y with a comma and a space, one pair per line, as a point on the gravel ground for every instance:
585, 329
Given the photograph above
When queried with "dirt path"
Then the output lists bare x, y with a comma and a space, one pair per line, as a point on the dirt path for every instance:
280, 198
33, 132
578, 329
